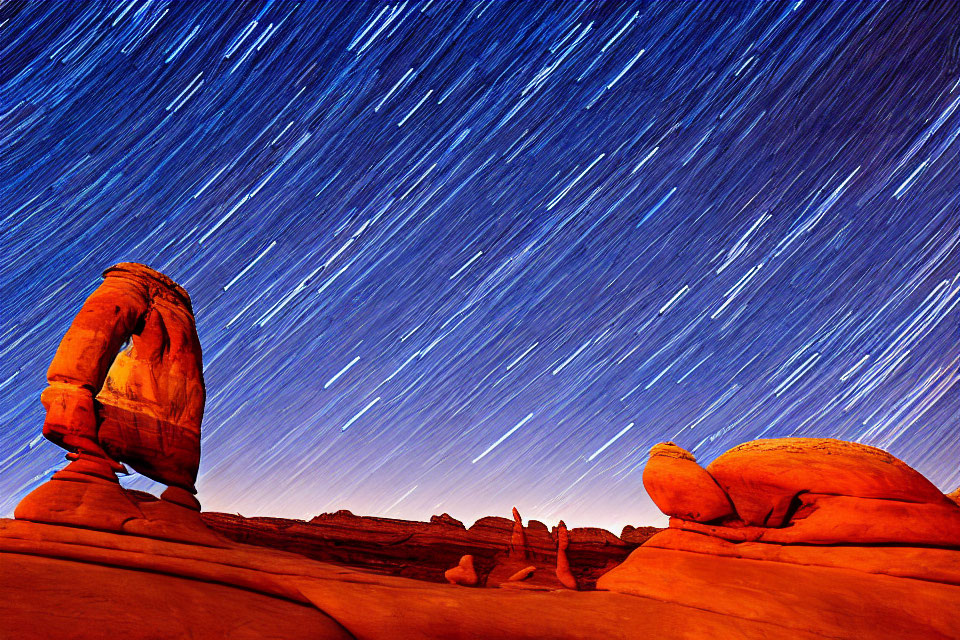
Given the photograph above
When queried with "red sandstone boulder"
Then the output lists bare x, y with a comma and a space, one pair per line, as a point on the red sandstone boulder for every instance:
463, 574
833, 538
522, 574
764, 477
69, 582
682, 488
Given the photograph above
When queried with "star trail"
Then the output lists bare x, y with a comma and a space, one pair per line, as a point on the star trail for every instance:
458, 256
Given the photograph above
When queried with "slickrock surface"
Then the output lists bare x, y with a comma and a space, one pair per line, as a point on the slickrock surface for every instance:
825, 537
68, 582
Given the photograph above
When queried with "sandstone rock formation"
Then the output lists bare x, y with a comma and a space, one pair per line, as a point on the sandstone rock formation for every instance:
680, 487
531, 548
821, 536
786, 539
765, 479
141, 405
71, 582
955, 495
564, 575
638, 535
464, 573
425, 550
827, 491
518, 539
523, 574
447, 519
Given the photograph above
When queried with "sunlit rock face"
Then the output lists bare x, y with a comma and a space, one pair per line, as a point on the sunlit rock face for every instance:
142, 404
823, 536
682, 488
126, 386
768, 480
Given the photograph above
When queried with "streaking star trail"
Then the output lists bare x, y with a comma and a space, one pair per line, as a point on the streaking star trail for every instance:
412, 228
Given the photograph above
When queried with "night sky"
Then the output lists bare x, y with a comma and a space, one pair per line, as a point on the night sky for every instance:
464, 256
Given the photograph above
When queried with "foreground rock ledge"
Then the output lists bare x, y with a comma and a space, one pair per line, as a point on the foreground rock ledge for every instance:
68, 582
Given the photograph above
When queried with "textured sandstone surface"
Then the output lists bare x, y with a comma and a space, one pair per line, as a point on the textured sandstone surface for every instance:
680, 487
93, 584
763, 477
84, 601
141, 405
827, 537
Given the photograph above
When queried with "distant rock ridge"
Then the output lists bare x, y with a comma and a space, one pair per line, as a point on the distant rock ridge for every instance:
426, 550
447, 519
